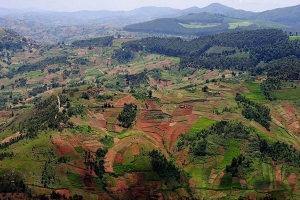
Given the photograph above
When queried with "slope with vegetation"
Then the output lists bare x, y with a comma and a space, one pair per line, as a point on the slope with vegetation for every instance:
207, 118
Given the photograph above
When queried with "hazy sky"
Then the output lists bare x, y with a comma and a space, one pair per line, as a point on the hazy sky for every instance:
74, 5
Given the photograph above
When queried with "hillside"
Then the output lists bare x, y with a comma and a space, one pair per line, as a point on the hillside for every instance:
200, 24
104, 118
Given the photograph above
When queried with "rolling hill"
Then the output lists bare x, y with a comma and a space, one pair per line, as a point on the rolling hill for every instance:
160, 118
200, 24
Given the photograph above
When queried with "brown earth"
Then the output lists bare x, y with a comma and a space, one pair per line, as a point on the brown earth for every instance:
65, 192
63, 147
7, 139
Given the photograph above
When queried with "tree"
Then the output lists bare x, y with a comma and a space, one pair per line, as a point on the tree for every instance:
128, 115
150, 94
205, 89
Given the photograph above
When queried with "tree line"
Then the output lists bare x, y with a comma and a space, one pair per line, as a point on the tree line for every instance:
198, 143
94, 42
254, 111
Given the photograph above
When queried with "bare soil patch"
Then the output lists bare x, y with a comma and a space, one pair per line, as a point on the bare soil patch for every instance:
17, 134
292, 179
63, 147
65, 192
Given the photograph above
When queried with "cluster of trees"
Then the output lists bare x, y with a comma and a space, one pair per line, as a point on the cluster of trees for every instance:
81, 61
99, 162
44, 115
287, 68
94, 42
123, 55
128, 115
237, 164
103, 97
277, 50
271, 83
216, 62
197, 143
280, 151
38, 90
6, 155
21, 82
136, 79
41, 65
12, 183
52, 71
48, 174
13, 140
164, 168
11, 41
254, 111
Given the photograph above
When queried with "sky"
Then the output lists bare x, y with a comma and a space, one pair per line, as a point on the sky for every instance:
75, 5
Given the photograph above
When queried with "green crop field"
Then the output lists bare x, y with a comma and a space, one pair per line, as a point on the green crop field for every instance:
255, 92
218, 49
124, 135
75, 180
235, 25
294, 37
233, 150
202, 123
286, 94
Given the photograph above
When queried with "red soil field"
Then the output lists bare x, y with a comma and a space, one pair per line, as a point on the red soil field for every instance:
127, 99
65, 192
135, 150
292, 179
63, 147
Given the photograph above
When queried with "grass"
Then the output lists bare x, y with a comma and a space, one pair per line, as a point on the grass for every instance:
140, 163
174, 59
75, 180
294, 37
218, 49
84, 129
79, 149
124, 135
235, 25
117, 44
264, 136
286, 94
233, 150
198, 25
226, 181
201, 124
255, 92
108, 141
197, 172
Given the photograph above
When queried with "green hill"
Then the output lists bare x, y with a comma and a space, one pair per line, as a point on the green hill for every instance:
200, 24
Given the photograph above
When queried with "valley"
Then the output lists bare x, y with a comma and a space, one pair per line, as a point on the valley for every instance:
145, 117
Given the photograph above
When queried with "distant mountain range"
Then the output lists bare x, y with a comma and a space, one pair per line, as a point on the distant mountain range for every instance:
287, 16
49, 26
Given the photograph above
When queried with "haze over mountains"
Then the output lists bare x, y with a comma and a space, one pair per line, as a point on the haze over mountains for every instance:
37, 24
288, 15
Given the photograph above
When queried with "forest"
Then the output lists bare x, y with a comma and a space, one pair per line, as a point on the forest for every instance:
94, 42
254, 111
249, 49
